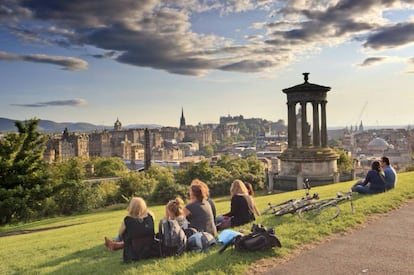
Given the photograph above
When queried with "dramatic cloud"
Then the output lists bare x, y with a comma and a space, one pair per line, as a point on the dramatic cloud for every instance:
392, 37
70, 102
68, 63
160, 35
372, 61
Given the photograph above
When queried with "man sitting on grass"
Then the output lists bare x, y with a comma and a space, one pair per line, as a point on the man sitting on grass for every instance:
390, 176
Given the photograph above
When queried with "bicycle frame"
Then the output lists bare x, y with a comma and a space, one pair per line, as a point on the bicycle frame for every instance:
292, 205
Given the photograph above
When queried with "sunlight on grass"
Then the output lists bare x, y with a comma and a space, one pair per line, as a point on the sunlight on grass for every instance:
78, 248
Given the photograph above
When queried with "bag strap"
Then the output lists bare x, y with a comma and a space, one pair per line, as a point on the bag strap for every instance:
231, 242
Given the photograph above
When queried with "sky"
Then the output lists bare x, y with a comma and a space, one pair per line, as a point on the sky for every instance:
143, 61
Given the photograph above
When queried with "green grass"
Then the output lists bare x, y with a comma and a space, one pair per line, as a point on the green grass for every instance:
78, 248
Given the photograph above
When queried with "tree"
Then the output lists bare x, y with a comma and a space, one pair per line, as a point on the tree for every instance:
109, 167
344, 162
139, 184
24, 180
72, 194
166, 188
207, 151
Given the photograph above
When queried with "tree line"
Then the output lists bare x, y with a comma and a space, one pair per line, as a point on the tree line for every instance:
32, 189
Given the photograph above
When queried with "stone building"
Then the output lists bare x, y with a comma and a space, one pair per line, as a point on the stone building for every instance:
100, 144
62, 147
201, 134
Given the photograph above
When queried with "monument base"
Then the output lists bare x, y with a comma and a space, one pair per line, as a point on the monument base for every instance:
317, 164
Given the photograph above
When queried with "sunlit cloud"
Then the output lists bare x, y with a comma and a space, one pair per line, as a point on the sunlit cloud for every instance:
68, 63
371, 61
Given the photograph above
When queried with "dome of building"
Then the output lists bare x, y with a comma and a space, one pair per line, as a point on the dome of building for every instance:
378, 144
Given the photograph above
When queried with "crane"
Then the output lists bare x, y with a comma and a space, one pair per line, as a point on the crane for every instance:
361, 113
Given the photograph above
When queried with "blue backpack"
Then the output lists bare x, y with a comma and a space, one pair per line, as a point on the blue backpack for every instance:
200, 241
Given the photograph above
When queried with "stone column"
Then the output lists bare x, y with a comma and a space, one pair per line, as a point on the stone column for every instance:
324, 131
316, 132
292, 137
147, 150
305, 131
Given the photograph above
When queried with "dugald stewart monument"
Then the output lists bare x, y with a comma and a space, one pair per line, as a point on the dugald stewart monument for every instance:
308, 154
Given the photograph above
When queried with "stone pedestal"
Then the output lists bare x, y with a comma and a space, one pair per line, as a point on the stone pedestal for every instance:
317, 164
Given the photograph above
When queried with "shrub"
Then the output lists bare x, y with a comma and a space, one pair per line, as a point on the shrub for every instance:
109, 192
167, 190
77, 197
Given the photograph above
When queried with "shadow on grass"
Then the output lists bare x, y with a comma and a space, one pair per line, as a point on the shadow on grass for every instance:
28, 231
95, 260
229, 262
98, 260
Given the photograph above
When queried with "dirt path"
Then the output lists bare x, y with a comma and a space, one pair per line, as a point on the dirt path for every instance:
383, 245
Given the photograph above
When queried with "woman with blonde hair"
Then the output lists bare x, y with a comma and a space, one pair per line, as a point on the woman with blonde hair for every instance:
199, 212
137, 233
241, 208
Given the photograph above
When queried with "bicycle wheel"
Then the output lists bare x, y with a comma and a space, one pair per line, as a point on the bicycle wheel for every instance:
328, 212
268, 209
309, 212
320, 212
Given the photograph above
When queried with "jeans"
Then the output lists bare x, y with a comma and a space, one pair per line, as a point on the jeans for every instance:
362, 189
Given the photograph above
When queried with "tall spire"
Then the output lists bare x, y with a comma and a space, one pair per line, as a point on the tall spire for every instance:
182, 120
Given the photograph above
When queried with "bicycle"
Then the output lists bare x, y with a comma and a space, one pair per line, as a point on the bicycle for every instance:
292, 205
327, 209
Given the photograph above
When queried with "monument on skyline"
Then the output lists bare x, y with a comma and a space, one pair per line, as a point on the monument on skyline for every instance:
308, 154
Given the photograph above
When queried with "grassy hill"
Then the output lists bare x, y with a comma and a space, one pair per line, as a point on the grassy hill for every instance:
74, 245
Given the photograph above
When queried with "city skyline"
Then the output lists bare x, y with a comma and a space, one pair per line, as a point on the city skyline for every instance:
142, 61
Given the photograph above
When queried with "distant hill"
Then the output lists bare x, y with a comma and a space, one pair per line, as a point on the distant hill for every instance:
48, 126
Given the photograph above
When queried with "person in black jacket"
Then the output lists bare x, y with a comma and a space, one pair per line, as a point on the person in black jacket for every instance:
241, 208
137, 233
374, 181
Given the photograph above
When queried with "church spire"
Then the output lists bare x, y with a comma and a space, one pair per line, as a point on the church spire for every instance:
182, 120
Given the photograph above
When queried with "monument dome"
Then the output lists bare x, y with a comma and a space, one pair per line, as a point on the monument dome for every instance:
378, 144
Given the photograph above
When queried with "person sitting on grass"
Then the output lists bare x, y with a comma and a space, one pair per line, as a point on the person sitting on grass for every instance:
241, 208
390, 176
137, 233
199, 211
209, 200
174, 210
374, 181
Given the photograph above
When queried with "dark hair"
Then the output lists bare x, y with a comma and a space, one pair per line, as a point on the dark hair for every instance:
386, 160
376, 166
199, 190
203, 184
249, 187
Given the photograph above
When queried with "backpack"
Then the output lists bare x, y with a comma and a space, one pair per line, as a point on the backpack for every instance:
200, 241
260, 239
172, 239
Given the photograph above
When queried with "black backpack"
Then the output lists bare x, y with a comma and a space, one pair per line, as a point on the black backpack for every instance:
260, 239
172, 239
